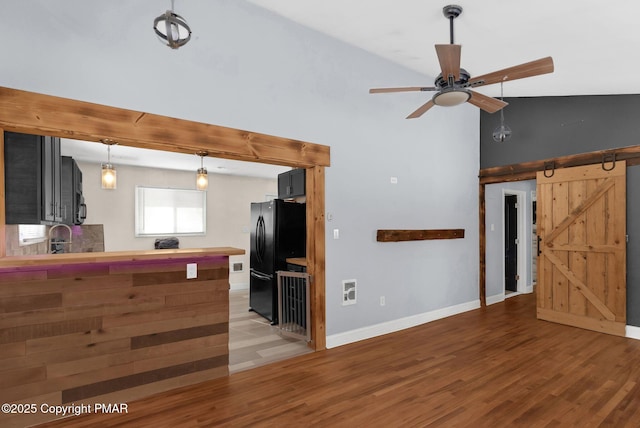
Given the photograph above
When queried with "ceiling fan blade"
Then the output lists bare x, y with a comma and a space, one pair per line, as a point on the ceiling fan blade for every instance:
422, 110
488, 104
449, 57
528, 69
405, 89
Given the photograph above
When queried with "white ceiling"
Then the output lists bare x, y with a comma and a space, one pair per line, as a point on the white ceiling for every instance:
584, 37
124, 155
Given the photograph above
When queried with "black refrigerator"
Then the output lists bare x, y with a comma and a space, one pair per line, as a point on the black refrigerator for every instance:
278, 232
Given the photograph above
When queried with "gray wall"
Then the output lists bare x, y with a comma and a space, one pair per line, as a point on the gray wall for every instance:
251, 69
548, 127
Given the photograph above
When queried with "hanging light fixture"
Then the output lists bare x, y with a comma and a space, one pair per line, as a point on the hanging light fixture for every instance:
502, 133
108, 170
202, 179
172, 29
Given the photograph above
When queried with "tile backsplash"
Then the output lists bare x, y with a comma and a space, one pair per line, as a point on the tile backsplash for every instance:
85, 239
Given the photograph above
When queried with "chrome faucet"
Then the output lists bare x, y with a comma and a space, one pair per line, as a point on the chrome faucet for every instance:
50, 249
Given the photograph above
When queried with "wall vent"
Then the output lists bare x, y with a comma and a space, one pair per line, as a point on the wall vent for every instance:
348, 292
237, 267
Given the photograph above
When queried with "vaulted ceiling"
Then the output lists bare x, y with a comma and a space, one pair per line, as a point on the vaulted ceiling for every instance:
593, 42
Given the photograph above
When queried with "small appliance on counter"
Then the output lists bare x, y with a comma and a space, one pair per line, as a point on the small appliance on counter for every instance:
278, 232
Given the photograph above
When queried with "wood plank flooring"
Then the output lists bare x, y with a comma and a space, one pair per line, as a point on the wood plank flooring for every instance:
253, 341
491, 367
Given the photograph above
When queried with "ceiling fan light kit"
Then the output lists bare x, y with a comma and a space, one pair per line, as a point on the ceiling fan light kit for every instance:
451, 97
453, 85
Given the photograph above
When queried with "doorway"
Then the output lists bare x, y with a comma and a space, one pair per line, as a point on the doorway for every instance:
510, 244
515, 242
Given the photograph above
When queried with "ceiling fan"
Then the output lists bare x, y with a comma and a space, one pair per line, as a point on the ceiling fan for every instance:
453, 85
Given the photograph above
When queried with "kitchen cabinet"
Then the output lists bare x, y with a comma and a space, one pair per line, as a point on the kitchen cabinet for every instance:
73, 207
291, 184
32, 179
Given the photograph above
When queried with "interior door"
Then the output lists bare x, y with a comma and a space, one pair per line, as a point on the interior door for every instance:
582, 247
511, 242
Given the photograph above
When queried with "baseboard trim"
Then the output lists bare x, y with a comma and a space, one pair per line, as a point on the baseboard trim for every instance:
496, 298
369, 332
632, 332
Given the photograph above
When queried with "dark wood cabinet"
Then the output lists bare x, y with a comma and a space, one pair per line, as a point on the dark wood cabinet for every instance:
291, 184
32, 179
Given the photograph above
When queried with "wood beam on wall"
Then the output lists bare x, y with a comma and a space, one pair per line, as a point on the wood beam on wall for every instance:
396, 235
316, 253
528, 170
32, 113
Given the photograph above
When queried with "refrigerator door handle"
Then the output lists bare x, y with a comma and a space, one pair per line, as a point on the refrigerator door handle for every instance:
262, 276
259, 240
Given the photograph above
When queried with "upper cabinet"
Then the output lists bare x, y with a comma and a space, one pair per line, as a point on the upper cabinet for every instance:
291, 184
32, 179
74, 210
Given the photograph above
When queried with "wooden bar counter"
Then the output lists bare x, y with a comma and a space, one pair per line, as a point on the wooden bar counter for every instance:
110, 327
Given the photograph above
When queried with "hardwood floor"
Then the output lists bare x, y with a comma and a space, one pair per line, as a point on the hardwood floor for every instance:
253, 341
491, 367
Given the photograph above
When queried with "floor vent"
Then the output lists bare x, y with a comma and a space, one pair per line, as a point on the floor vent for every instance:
348, 292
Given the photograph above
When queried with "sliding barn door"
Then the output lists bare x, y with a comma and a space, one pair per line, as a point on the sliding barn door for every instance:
582, 247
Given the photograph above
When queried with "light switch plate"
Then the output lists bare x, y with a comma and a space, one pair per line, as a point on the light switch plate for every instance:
192, 270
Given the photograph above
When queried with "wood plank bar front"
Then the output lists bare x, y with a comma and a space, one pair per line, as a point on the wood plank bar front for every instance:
111, 328
395, 235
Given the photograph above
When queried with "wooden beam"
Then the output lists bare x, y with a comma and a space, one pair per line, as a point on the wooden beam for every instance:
32, 113
527, 170
391, 235
483, 246
316, 254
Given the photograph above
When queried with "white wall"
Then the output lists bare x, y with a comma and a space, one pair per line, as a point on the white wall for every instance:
228, 209
250, 69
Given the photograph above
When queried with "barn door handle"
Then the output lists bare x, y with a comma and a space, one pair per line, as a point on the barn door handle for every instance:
539, 239
611, 157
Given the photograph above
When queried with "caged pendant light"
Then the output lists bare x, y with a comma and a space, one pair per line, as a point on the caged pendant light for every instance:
108, 170
172, 29
202, 179
502, 133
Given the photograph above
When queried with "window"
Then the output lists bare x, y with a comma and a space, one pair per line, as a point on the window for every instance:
31, 233
162, 211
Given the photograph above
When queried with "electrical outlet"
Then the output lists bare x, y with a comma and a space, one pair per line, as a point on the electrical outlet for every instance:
382, 301
192, 270
336, 233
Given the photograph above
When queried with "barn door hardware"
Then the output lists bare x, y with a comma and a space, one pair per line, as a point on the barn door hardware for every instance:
549, 166
539, 240
611, 157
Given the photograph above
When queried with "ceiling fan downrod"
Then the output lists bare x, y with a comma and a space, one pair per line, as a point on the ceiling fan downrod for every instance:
451, 12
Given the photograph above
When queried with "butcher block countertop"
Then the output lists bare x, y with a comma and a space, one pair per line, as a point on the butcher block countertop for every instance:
300, 261
115, 256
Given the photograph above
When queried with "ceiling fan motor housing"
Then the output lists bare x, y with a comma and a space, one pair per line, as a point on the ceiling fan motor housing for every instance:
443, 83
